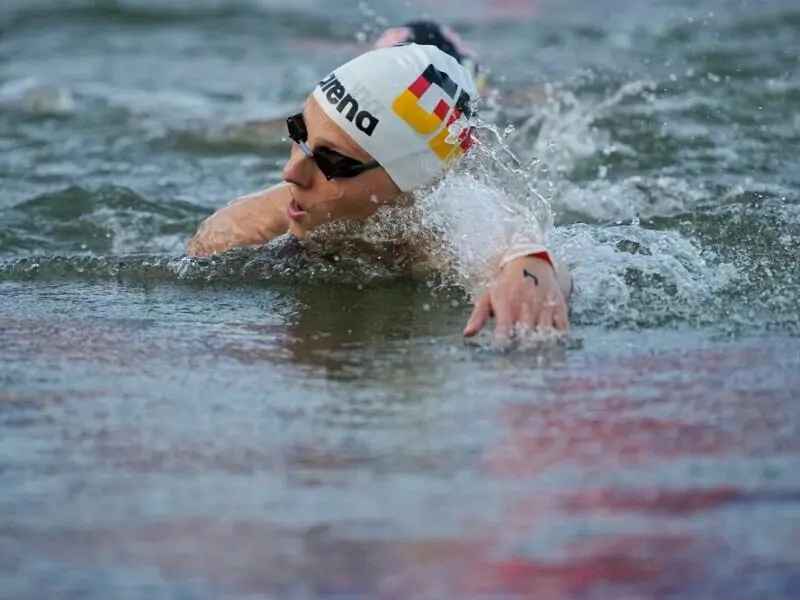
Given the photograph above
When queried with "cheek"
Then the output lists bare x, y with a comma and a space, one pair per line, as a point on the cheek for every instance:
363, 198
354, 199
380, 190
349, 200
328, 196
386, 191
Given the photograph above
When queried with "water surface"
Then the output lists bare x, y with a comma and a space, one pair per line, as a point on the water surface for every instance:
313, 426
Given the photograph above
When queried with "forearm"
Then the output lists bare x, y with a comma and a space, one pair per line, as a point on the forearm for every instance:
247, 221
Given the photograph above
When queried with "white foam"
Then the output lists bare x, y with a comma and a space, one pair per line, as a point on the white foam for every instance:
560, 131
484, 206
37, 97
602, 258
629, 198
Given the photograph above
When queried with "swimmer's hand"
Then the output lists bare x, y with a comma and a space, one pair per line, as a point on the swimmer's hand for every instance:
527, 294
216, 234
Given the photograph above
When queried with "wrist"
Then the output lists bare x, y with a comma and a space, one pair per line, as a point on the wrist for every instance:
531, 263
522, 251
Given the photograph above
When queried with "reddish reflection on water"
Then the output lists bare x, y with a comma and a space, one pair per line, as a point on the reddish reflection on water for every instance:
672, 476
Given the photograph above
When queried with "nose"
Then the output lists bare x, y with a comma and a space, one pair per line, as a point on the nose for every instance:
298, 169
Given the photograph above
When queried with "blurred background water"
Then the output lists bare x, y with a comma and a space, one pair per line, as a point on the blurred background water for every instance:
256, 426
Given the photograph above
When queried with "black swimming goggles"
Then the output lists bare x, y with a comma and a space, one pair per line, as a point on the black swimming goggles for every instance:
331, 163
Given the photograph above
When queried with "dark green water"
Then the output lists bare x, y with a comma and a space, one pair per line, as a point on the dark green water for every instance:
313, 426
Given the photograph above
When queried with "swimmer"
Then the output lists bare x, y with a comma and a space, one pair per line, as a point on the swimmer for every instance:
430, 33
362, 140
445, 38
422, 32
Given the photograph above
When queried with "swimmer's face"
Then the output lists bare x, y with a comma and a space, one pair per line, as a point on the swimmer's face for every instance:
317, 200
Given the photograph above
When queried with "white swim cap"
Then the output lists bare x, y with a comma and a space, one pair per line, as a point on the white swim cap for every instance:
403, 106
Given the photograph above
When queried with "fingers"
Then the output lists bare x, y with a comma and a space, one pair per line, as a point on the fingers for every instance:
544, 321
560, 318
479, 315
198, 248
533, 313
504, 324
195, 248
525, 318
553, 315
544, 317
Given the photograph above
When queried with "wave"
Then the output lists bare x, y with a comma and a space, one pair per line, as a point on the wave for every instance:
250, 137
101, 220
285, 260
300, 17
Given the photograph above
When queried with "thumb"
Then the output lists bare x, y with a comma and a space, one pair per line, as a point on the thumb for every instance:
479, 314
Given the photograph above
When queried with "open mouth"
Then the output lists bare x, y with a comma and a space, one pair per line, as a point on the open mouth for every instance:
295, 211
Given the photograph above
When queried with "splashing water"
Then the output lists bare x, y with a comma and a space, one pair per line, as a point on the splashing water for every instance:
627, 275
486, 205
555, 134
631, 267
504, 190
